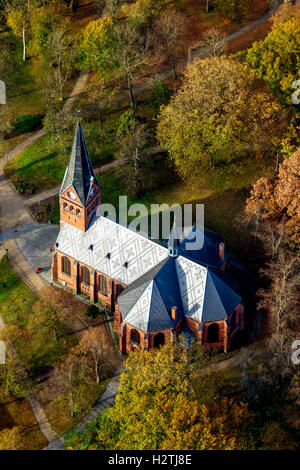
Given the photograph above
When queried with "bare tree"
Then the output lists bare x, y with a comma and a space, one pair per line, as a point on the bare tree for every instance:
129, 50
281, 299
92, 343
213, 44
72, 372
62, 56
272, 235
133, 149
166, 30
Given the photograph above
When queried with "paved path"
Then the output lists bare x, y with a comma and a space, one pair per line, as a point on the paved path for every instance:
106, 400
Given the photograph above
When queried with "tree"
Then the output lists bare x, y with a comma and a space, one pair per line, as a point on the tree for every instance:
62, 58
277, 199
72, 372
49, 311
91, 343
53, 40
236, 10
18, 16
10, 382
276, 59
156, 408
166, 30
99, 96
128, 51
133, 139
213, 43
94, 47
280, 299
219, 115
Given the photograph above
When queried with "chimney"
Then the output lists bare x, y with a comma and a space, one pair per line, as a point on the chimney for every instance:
174, 313
222, 250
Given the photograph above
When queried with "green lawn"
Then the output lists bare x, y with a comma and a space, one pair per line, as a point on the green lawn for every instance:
39, 164
43, 164
38, 349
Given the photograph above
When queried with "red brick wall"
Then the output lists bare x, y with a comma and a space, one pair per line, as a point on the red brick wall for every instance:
79, 221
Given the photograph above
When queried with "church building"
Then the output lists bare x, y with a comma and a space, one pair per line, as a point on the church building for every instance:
156, 292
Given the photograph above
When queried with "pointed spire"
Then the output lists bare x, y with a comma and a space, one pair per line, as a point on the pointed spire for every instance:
174, 243
79, 173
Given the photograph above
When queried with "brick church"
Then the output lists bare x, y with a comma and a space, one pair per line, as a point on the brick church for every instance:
155, 291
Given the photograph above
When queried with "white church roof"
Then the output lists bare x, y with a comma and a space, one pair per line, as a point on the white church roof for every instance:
107, 246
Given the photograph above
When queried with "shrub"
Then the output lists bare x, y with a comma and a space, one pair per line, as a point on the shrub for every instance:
92, 311
27, 122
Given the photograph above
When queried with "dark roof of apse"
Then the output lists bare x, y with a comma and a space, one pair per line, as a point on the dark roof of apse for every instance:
80, 170
220, 299
208, 255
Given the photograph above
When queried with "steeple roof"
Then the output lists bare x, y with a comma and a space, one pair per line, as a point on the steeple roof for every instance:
79, 173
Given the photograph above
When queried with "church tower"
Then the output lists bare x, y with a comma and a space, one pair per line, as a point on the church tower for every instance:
80, 192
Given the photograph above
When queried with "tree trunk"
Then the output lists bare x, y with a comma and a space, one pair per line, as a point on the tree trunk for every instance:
97, 372
207, 5
132, 103
172, 59
24, 44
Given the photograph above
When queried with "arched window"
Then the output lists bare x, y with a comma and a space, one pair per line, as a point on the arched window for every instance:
85, 273
72, 209
65, 206
233, 321
102, 285
119, 289
78, 212
213, 333
66, 265
159, 340
135, 336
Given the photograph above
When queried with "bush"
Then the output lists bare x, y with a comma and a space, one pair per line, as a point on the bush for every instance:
27, 122
92, 311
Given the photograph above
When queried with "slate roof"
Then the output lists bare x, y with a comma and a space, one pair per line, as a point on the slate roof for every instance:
79, 172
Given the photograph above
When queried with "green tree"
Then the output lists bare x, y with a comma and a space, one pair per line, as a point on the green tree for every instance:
276, 59
156, 407
18, 19
219, 115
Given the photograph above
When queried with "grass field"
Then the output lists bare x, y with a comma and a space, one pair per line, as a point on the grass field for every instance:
17, 413
36, 350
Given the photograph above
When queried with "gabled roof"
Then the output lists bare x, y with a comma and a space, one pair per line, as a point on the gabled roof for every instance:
79, 173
